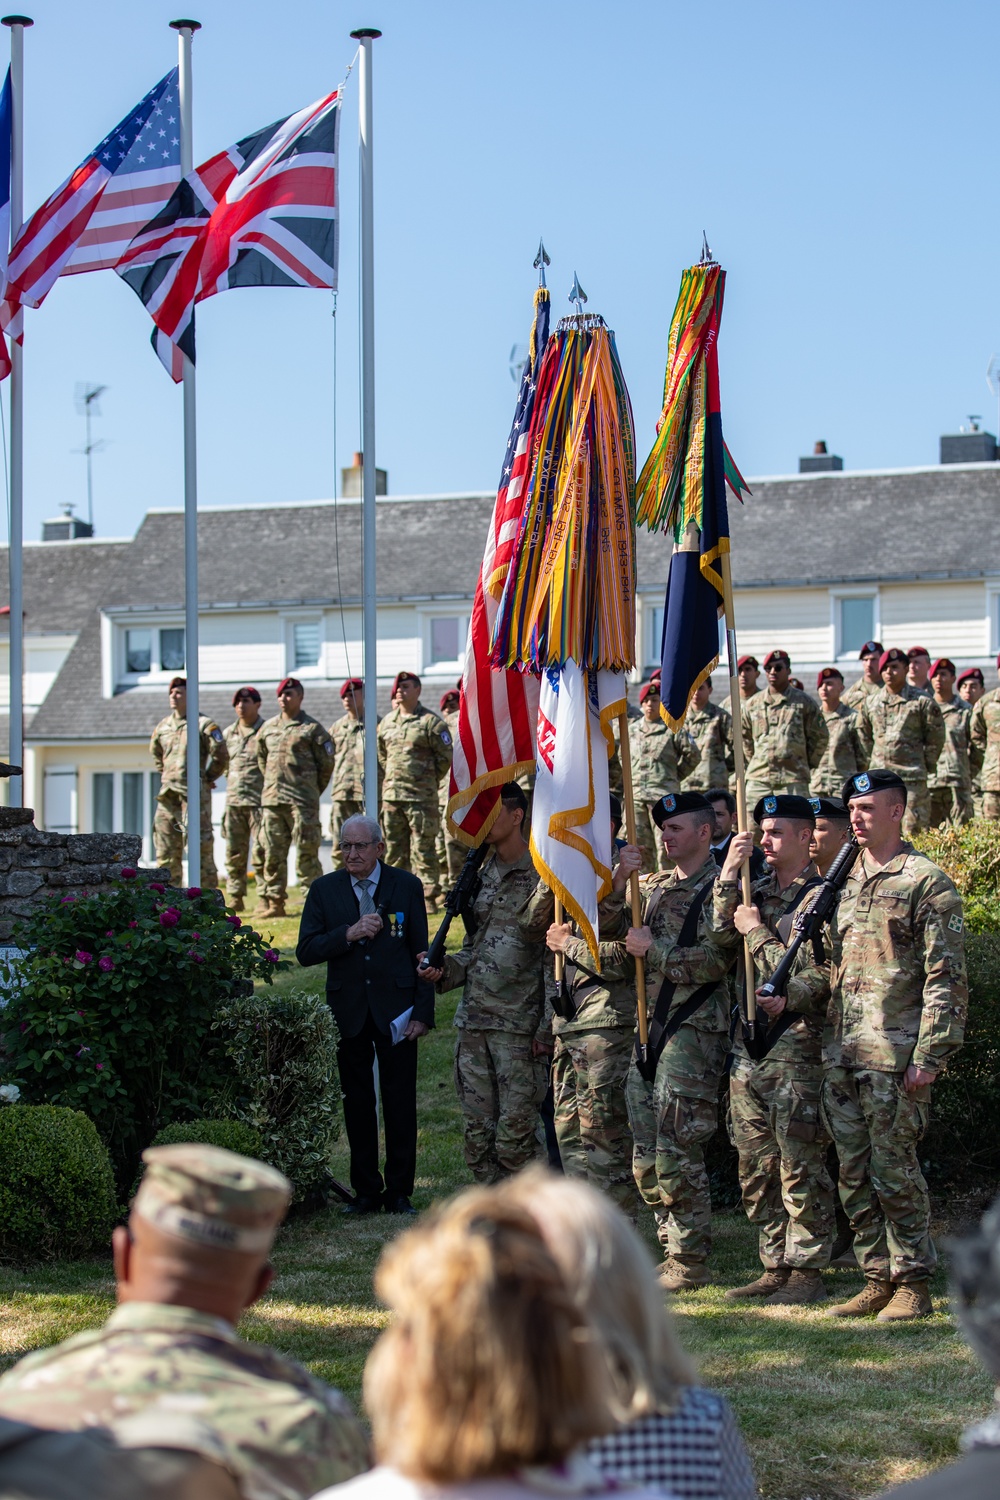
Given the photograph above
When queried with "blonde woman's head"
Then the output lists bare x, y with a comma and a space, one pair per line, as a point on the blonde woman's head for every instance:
615, 1287
488, 1365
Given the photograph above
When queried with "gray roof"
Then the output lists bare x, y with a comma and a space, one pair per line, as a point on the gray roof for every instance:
64, 583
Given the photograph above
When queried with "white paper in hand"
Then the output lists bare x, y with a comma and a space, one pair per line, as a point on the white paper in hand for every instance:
399, 1025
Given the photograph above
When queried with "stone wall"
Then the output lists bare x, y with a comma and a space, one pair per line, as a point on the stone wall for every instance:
36, 866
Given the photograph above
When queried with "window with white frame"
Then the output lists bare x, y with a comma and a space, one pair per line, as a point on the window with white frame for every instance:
654, 640
125, 802
444, 639
853, 622
305, 644
149, 650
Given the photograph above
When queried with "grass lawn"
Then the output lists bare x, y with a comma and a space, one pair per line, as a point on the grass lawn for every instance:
828, 1409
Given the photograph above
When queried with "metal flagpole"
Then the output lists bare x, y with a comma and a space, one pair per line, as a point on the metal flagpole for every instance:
15, 752
366, 35
185, 31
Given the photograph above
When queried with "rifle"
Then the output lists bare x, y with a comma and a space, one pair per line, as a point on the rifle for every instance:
453, 903
760, 1038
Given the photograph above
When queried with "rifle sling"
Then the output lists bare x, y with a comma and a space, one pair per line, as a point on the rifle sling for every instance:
660, 1028
777, 1029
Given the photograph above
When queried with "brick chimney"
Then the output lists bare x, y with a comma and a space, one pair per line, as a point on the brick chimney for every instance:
820, 461
350, 480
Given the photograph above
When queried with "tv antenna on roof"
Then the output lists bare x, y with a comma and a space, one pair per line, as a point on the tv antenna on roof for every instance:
87, 397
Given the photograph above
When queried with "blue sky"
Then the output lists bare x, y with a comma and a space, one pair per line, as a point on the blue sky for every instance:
842, 160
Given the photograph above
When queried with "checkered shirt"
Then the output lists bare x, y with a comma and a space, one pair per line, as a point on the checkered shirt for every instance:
695, 1453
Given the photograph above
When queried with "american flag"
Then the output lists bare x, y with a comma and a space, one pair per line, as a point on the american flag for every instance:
263, 213
5, 153
89, 221
498, 710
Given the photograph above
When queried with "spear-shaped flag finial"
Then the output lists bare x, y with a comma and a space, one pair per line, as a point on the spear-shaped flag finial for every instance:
541, 260
577, 294
707, 258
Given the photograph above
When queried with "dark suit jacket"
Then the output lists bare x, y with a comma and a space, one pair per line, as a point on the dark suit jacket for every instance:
378, 976
758, 864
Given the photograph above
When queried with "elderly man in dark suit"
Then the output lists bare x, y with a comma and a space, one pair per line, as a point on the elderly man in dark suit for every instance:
368, 924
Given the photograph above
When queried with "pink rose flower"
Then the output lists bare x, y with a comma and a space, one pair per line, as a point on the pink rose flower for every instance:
154, 885
170, 917
196, 937
105, 964
198, 958
100, 1067
272, 955
83, 958
193, 892
133, 924
109, 933
233, 920
128, 873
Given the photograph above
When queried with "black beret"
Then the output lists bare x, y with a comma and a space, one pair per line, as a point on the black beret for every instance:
680, 802
873, 781
784, 805
829, 807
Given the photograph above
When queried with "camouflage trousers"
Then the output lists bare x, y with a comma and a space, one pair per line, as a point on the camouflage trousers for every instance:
450, 853
876, 1127
241, 831
589, 1069
281, 827
169, 833
950, 804
654, 856
787, 1191
991, 805
411, 830
340, 810
672, 1119
917, 816
500, 1086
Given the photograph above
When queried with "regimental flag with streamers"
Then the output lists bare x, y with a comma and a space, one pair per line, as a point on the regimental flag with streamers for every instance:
263, 213
682, 488
498, 708
569, 594
89, 220
570, 812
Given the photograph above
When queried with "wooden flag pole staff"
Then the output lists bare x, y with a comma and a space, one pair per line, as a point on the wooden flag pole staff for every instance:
642, 1020
739, 763
560, 958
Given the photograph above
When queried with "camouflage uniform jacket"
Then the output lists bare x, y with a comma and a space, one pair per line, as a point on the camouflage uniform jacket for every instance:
615, 782
414, 751
727, 703
858, 692
953, 767
985, 739
244, 781
922, 692
296, 759
784, 738
844, 756
282, 1432
348, 736
602, 1000
902, 732
501, 965
899, 988
659, 758
809, 986
711, 728
168, 747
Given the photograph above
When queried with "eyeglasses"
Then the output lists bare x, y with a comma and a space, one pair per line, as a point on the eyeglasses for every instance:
356, 848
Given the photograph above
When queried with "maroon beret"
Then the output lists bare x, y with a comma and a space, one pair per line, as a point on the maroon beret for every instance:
893, 654
827, 673
777, 656
354, 683
290, 682
251, 692
404, 677
946, 663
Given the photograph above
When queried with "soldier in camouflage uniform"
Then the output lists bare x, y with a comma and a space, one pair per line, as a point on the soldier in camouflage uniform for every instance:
918, 673
414, 751
660, 757
898, 1004
504, 1036
711, 728
168, 747
633, 715
984, 737
347, 790
844, 754
674, 1116
168, 1361
775, 1102
902, 730
871, 678
971, 688
295, 754
950, 784
241, 819
748, 672
451, 854
784, 736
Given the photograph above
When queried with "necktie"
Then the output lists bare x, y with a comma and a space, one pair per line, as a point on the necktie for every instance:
365, 901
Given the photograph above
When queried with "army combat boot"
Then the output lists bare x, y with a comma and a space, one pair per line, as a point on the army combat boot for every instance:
801, 1286
912, 1299
773, 1279
680, 1276
873, 1296
236, 903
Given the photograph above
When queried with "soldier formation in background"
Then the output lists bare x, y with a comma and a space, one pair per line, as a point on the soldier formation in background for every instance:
295, 754
168, 747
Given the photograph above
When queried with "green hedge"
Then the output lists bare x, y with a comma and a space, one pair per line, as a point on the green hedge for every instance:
971, 856
57, 1189
964, 1134
231, 1135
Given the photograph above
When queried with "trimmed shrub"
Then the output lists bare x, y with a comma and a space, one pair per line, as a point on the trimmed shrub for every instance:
57, 1189
283, 1055
231, 1135
970, 855
964, 1133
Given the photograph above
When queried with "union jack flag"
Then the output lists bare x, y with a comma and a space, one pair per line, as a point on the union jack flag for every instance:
263, 213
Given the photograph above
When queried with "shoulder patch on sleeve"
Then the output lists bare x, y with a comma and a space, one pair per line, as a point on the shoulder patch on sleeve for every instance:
955, 922
328, 746
217, 735
446, 737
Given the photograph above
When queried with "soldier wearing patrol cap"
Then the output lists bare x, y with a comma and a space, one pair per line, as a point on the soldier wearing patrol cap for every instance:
451, 854
296, 756
898, 1003
347, 790
168, 1360
844, 754
902, 730
775, 1099
871, 678
241, 819
784, 735
414, 750
985, 746
675, 1116
950, 783
168, 747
